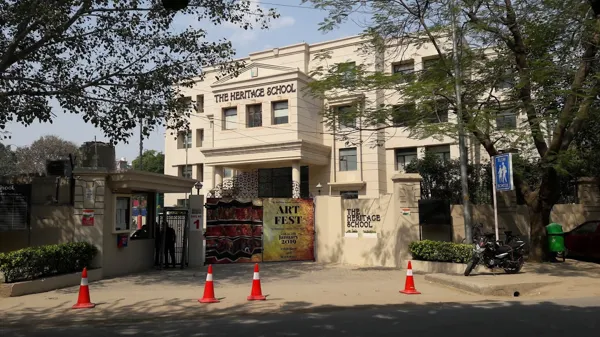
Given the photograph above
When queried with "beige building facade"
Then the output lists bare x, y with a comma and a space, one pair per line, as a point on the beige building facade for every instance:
260, 134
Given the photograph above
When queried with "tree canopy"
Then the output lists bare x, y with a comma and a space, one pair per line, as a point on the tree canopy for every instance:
537, 58
112, 62
152, 161
33, 158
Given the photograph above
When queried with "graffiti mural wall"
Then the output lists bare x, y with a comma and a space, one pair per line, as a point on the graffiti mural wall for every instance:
233, 231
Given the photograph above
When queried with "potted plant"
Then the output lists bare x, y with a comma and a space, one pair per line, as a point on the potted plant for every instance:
351, 233
370, 233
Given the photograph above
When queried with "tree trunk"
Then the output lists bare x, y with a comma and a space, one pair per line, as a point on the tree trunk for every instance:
540, 204
539, 217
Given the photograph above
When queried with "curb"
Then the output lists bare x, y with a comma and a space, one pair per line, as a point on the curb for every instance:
504, 290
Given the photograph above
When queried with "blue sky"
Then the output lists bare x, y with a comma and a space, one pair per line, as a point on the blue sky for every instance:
296, 24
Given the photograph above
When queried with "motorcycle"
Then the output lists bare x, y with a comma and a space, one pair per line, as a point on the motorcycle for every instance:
507, 255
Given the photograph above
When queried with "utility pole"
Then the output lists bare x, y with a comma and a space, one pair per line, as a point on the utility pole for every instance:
140, 165
464, 182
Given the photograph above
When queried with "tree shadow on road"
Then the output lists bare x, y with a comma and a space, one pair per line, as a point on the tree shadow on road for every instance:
301, 318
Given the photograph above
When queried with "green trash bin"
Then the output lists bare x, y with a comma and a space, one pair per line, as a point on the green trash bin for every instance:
556, 238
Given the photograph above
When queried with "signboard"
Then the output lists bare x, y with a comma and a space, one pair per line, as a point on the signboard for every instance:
15, 203
89, 194
288, 230
355, 220
502, 179
196, 222
503, 172
87, 219
256, 93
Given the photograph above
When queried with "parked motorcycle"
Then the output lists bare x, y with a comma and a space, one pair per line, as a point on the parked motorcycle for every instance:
507, 255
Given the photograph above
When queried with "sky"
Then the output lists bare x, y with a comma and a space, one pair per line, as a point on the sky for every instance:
297, 23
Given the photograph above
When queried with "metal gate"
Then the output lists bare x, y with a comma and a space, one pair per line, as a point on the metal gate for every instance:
178, 220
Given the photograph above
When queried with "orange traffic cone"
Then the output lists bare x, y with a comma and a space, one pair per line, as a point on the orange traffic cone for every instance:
209, 288
83, 302
256, 294
409, 286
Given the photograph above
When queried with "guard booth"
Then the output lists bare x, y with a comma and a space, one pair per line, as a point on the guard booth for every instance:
176, 218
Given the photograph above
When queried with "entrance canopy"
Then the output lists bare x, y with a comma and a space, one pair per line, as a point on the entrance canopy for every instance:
150, 182
296, 150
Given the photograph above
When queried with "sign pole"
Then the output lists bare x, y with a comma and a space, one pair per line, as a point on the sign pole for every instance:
495, 198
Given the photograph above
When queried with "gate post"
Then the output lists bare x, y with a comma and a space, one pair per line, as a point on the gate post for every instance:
407, 192
196, 234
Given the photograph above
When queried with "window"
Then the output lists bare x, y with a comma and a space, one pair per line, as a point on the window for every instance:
280, 113
140, 203
347, 72
254, 115
346, 116
442, 151
200, 103
184, 139
185, 171
200, 172
433, 68
349, 194
123, 214
437, 111
404, 69
405, 157
199, 137
348, 159
507, 81
506, 121
402, 115
227, 172
230, 118
187, 103
185, 203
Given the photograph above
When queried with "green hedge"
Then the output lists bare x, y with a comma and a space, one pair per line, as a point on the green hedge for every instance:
440, 251
37, 262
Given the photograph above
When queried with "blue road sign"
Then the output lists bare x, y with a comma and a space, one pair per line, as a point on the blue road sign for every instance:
504, 172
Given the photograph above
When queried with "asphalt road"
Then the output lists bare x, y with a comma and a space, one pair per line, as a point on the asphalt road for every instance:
547, 319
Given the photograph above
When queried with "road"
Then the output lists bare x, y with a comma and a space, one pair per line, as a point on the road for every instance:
501, 319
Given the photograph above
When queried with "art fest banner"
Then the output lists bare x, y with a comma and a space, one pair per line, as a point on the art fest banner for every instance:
288, 230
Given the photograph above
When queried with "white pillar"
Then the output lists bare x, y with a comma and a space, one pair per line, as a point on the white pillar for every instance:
218, 179
296, 179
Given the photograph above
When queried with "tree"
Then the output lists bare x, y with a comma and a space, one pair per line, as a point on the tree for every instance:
8, 160
539, 58
116, 63
152, 161
33, 158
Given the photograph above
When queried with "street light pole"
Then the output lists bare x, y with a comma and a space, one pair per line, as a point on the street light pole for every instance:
461, 128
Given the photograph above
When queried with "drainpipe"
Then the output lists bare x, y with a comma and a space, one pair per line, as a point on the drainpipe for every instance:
361, 148
334, 159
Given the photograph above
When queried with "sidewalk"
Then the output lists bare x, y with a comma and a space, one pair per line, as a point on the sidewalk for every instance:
547, 280
174, 293
290, 287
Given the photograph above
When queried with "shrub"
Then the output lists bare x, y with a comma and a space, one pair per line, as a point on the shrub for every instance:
440, 251
36, 262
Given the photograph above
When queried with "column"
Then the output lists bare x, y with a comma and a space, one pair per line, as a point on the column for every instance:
218, 176
296, 179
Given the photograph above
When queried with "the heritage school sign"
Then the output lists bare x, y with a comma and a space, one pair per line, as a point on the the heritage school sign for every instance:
256, 93
356, 220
